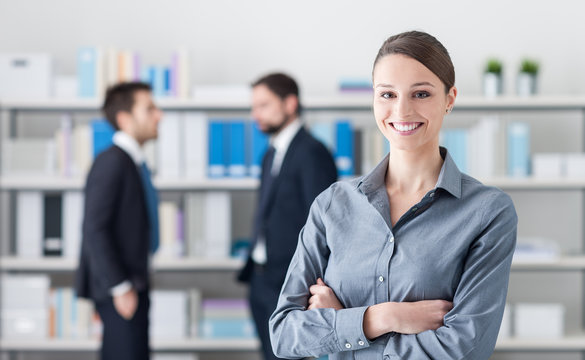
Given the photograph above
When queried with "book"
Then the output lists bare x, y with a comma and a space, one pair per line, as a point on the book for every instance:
218, 224
29, 224
53, 233
216, 152
237, 149
29, 156
257, 145
25, 306
226, 318
103, 134
82, 148
169, 146
344, 155
168, 314
72, 219
168, 218
518, 149
195, 220
87, 62
195, 138
456, 142
323, 131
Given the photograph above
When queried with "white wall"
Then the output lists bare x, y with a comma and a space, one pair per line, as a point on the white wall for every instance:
318, 41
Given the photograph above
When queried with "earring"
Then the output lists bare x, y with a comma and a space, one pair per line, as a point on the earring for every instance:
448, 110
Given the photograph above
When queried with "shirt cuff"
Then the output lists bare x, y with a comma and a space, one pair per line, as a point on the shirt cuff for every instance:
121, 288
349, 327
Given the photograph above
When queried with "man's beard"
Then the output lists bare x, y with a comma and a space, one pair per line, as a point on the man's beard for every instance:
275, 129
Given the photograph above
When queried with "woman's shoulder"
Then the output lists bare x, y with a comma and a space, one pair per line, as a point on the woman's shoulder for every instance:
476, 190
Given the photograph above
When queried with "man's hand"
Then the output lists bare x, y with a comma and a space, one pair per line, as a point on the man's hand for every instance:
323, 297
126, 304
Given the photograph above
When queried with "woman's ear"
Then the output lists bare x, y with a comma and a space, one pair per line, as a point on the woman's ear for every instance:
451, 96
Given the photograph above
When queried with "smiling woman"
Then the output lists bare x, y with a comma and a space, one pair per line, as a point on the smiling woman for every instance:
412, 260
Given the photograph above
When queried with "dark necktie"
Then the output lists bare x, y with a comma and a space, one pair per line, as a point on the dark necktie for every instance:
267, 178
151, 206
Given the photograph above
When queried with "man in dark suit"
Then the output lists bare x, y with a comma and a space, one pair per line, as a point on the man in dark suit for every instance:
295, 169
120, 226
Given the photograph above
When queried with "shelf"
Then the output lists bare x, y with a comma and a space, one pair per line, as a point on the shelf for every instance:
159, 265
341, 101
56, 183
567, 263
569, 343
224, 345
531, 183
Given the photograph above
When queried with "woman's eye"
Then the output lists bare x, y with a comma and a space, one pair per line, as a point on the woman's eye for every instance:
387, 95
422, 95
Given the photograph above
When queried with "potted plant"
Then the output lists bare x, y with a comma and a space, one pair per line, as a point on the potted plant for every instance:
526, 81
492, 78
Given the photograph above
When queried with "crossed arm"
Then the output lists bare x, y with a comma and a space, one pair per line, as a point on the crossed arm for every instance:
379, 319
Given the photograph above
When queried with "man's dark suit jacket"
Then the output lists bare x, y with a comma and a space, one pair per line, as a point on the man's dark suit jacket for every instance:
115, 227
307, 169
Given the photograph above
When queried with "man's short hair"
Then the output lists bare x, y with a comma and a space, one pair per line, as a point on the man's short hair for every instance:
282, 85
120, 97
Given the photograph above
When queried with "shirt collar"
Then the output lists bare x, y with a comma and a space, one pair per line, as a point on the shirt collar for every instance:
449, 177
282, 140
130, 146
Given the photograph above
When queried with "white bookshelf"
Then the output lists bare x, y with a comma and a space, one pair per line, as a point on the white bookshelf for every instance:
10, 110
190, 344
59, 264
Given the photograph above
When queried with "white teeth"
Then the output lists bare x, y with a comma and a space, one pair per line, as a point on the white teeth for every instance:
408, 127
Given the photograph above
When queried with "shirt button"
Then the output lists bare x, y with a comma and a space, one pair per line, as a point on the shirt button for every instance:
348, 346
381, 278
392, 239
360, 343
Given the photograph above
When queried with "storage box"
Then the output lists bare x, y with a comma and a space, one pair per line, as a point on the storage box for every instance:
575, 165
542, 321
25, 75
548, 165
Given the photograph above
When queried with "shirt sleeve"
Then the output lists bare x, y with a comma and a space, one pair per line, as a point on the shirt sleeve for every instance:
471, 328
296, 332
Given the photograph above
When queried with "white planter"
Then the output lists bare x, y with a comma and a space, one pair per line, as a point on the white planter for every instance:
492, 84
526, 84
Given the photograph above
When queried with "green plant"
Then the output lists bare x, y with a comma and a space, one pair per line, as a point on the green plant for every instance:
494, 66
529, 66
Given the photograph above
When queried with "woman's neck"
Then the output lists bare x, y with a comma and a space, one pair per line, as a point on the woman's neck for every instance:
413, 171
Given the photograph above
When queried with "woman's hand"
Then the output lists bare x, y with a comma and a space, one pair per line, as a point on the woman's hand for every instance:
323, 297
405, 317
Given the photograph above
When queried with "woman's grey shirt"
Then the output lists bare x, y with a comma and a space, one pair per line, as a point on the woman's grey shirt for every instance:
456, 244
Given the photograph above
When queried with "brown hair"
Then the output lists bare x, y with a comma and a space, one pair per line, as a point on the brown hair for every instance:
282, 85
120, 97
423, 48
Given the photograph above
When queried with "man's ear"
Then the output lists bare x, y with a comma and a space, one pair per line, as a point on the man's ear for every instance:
291, 104
123, 120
